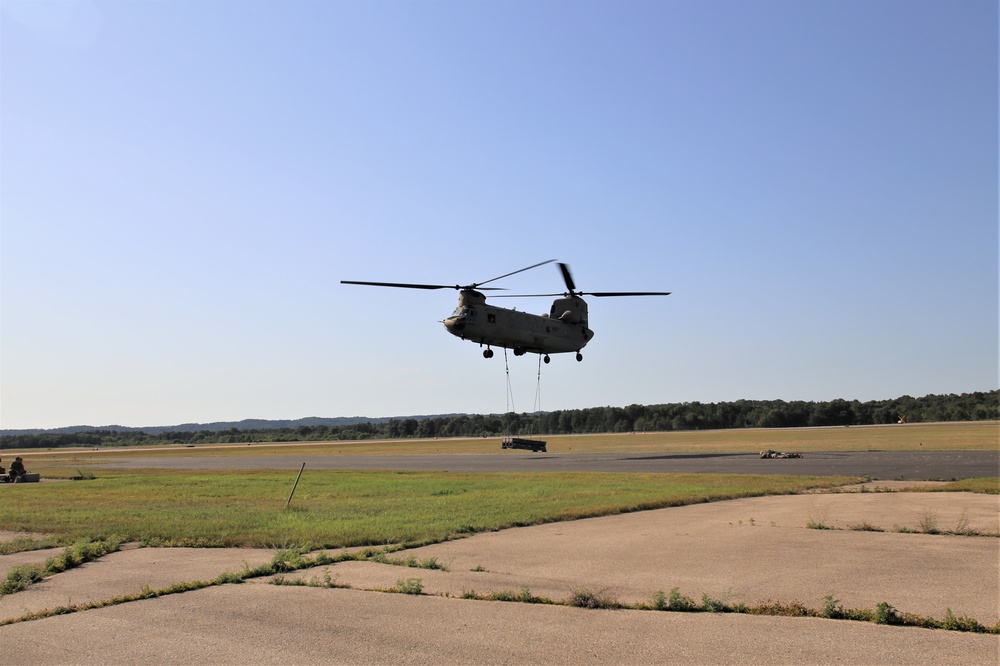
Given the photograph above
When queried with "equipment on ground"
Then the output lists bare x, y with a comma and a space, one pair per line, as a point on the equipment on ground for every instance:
778, 454
518, 443
564, 328
21, 478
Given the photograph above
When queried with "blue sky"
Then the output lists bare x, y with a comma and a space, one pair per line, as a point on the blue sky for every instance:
183, 185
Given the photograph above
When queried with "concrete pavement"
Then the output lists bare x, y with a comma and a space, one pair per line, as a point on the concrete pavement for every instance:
263, 624
738, 551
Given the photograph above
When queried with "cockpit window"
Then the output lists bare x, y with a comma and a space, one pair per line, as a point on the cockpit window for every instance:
460, 311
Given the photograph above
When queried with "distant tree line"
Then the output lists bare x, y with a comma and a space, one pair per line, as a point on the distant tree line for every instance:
977, 406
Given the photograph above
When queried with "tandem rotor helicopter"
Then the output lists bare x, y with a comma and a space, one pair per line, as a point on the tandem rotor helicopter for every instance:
562, 329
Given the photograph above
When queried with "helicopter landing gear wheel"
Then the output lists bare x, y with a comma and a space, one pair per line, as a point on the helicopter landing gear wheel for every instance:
488, 353
546, 358
579, 356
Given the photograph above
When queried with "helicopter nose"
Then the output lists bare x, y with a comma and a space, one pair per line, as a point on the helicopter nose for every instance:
455, 324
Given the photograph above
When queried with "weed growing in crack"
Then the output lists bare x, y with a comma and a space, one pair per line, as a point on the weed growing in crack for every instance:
24, 544
328, 582
679, 602
525, 596
832, 608
584, 598
885, 614
410, 586
502, 595
960, 623
928, 524
21, 576
962, 527
381, 557
229, 577
817, 525
779, 609
711, 605
429, 563
81, 552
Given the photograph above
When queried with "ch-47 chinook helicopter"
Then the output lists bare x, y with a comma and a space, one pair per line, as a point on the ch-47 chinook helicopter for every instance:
562, 329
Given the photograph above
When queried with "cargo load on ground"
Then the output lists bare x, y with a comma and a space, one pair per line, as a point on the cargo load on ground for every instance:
518, 443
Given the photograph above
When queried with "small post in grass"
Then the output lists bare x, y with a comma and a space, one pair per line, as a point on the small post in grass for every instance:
295, 486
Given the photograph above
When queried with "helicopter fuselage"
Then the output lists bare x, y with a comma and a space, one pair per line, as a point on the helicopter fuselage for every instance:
562, 329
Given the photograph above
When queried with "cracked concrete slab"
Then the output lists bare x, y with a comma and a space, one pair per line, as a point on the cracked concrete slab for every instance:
32, 557
266, 624
128, 572
741, 550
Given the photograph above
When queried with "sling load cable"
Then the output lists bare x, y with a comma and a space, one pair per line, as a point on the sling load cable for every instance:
510, 393
538, 401
538, 387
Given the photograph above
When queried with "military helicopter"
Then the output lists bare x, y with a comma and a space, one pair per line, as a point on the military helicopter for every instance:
563, 329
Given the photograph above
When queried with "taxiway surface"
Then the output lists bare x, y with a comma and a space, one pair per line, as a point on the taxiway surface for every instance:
909, 465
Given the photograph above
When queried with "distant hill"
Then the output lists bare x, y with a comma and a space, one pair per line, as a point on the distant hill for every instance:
245, 424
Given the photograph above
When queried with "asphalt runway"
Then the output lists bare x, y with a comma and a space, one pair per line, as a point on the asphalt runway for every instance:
879, 465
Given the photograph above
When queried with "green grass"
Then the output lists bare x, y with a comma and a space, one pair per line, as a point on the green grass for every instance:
975, 485
334, 509
23, 544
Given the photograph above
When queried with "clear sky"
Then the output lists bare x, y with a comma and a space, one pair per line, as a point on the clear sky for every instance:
183, 185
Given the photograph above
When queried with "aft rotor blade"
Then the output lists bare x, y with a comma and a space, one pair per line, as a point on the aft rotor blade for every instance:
588, 293
567, 278
625, 293
476, 286
407, 285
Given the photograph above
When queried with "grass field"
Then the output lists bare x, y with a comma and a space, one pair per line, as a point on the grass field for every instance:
334, 508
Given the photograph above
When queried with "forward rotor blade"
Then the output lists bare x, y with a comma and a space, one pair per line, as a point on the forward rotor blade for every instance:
567, 278
400, 285
406, 285
476, 285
